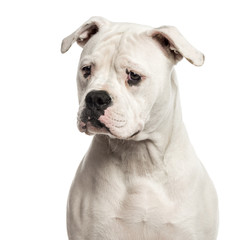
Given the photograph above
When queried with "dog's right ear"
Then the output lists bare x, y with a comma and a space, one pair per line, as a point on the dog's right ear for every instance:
83, 33
172, 41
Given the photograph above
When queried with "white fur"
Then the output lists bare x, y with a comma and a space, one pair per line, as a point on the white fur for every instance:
150, 186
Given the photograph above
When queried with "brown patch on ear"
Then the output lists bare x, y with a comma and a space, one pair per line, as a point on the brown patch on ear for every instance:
83, 33
167, 46
92, 30
189, 60
162, 40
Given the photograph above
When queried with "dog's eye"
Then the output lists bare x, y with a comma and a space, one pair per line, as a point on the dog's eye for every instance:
133, 78
86, 70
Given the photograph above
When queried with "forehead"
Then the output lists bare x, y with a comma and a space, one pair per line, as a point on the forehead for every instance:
117, 41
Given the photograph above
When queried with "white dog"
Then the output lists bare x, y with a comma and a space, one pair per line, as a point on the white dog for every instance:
141, 178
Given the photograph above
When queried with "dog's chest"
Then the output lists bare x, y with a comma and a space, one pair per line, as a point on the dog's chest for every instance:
142, 211
110, 204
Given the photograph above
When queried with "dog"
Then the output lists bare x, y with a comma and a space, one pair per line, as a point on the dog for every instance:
141, 178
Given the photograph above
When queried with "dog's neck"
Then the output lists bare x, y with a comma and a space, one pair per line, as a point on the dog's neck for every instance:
169, 138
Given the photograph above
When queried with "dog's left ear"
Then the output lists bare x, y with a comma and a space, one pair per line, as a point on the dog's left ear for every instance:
83, 33
172, 41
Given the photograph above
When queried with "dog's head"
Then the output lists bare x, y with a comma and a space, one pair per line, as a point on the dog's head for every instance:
124, 75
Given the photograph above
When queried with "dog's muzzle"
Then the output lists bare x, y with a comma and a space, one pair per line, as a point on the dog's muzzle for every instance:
96, 103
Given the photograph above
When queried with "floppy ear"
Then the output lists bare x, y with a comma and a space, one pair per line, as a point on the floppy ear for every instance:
171, 40
83, 33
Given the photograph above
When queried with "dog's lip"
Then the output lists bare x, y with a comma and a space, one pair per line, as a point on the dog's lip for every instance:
134, 134
82, 126
118, 136
88, 128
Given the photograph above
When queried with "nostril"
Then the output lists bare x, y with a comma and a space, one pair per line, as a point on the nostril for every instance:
100, 101
103, 100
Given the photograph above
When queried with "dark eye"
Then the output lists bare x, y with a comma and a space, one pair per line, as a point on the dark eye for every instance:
86, 71
133, 78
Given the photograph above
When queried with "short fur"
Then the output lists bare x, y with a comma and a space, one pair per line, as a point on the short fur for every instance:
140, 178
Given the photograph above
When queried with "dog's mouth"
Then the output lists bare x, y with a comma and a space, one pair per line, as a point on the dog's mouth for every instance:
89, 121
96, 123
99, 123
92, 126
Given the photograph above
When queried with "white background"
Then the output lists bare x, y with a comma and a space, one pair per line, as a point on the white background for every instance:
40, 144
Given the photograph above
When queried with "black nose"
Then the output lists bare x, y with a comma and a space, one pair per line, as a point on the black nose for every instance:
97, 100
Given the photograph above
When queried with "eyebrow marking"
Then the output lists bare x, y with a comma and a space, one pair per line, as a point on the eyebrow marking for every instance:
130, 65
87, 60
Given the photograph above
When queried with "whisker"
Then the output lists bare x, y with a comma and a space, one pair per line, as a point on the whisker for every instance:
119, 126
120, 114
116, 120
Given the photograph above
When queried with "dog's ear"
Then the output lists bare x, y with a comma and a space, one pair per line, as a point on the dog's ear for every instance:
172, 41
83, 33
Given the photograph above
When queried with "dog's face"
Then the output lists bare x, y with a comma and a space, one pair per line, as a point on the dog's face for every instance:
124, 76
119, 82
